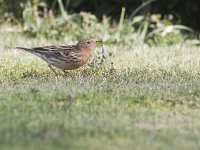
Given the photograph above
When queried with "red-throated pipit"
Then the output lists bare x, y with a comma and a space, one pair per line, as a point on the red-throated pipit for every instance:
65, 57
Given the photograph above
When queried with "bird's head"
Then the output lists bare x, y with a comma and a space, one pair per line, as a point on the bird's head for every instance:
88, 44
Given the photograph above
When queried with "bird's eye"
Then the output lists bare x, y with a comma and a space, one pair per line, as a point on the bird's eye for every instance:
88, 42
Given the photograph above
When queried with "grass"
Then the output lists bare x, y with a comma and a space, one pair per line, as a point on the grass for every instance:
148, 99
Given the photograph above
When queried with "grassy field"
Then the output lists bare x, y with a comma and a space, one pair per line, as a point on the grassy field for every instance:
149, 98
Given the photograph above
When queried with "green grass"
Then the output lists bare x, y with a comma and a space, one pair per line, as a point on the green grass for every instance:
148, 99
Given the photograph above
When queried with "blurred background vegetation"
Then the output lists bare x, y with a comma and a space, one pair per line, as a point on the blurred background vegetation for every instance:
154, 22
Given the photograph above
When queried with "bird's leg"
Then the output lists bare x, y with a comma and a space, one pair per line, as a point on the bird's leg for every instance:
65, 72
52, 69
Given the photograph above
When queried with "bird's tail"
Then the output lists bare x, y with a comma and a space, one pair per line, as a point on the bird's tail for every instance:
35, 51
25, 49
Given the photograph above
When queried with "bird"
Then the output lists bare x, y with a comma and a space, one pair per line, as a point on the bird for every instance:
65, 57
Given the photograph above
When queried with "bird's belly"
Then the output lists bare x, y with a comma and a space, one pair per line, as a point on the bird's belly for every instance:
68, 65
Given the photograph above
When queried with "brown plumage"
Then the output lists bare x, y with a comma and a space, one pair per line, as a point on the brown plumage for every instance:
67, 57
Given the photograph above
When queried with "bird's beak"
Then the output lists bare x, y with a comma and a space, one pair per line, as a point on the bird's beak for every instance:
99, 41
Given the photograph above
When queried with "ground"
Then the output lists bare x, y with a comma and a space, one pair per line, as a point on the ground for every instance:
147, 98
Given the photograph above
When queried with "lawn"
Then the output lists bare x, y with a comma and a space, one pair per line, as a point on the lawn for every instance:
147, 98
